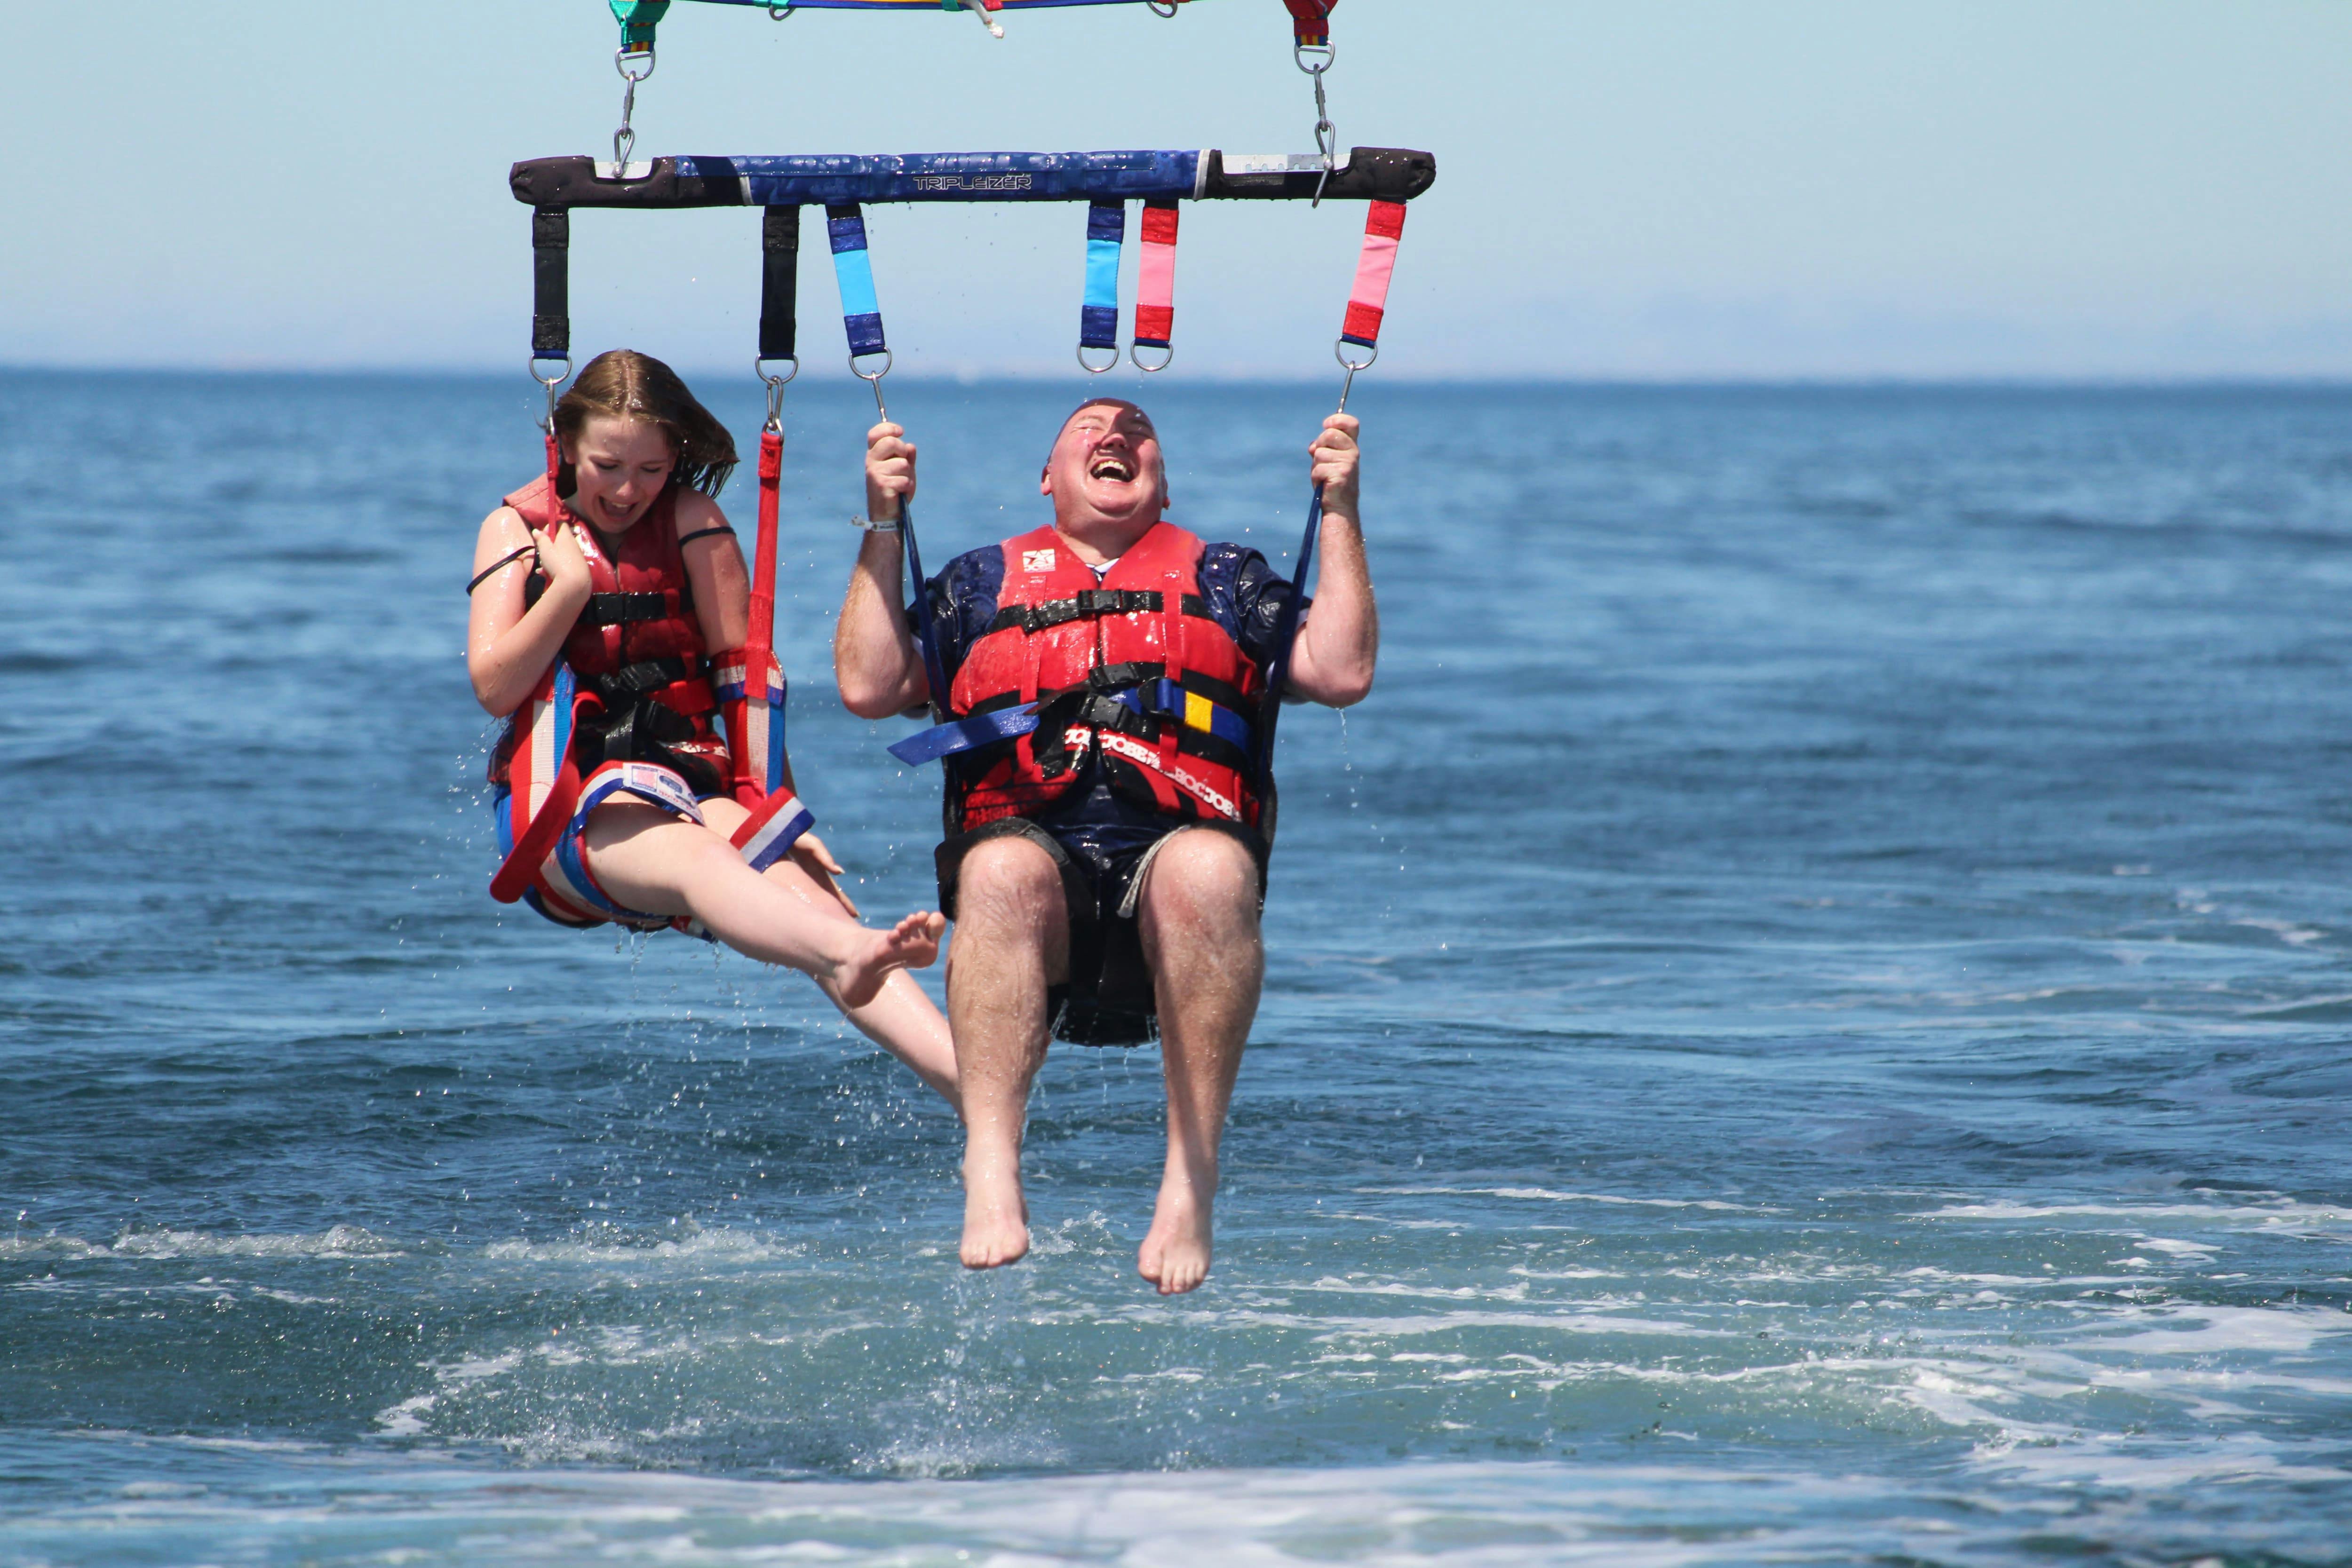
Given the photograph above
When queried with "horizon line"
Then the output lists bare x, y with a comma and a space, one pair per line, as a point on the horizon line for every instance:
1994, 379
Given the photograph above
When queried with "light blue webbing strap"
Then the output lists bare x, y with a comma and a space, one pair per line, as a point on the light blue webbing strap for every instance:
853, 269
1098, 317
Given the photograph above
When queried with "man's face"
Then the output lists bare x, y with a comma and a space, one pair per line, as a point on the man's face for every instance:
1106, 461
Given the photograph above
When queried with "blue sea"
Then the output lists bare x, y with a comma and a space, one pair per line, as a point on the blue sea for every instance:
1809, 1019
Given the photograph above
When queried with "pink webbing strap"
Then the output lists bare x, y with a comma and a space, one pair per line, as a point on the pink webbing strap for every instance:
1155, 304
1369, 300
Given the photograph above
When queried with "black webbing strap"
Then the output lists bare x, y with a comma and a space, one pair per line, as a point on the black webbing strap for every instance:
550, 289
780, 265
642, 679
620, 608
1088, 604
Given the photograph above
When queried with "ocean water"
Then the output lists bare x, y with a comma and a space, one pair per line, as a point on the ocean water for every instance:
1807, 1020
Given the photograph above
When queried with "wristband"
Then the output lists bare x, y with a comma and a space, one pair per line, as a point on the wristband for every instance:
886, 526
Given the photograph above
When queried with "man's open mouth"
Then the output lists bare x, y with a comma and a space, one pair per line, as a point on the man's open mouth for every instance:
1111, 465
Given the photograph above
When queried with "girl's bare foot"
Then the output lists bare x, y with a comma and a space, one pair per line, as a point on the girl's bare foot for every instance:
1175, 1252
912, 943
995, 1214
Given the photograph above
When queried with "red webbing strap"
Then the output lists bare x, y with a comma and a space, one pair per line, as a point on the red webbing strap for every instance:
758, 642
521, 869
1311, 23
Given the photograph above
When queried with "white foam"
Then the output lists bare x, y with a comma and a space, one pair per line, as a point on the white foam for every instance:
1547, 1195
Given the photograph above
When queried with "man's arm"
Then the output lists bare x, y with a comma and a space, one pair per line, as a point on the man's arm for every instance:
1339, 639
874, 656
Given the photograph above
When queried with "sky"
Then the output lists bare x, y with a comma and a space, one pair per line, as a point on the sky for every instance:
1646, 189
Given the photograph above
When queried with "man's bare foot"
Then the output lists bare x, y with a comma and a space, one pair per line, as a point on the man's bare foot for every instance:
995, 1214
912, 943
1175, 1254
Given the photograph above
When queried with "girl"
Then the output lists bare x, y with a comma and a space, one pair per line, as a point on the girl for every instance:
626, 568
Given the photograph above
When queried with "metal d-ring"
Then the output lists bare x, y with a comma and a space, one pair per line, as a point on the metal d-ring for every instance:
550, 384
1133, 351
1340, 352
776, 385
1168, 13
779, 10
1097, 370
875, 381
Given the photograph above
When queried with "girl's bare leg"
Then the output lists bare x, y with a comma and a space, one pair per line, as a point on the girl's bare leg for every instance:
901, 1020
650, 861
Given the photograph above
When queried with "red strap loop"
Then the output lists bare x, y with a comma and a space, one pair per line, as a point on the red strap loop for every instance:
1311, 23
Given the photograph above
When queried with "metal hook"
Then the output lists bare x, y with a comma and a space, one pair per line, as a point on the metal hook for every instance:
776, 385
874, 380
551, 382
1340, 352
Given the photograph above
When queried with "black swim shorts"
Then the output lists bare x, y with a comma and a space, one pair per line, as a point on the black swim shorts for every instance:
1108, 997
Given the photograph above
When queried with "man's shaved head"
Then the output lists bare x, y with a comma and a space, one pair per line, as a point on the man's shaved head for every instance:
1119, 403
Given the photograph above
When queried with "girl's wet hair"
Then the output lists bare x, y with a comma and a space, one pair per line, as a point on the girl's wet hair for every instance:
622, 383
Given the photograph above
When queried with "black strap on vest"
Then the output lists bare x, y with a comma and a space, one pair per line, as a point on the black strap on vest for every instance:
1089, 604
551, 291
620, 608
641, 679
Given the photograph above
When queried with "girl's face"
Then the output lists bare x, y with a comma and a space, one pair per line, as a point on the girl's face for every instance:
619, 465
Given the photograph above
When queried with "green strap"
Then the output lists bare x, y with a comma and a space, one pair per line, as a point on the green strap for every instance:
638, 18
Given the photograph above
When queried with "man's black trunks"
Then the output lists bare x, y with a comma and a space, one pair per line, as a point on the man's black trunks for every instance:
1108, 997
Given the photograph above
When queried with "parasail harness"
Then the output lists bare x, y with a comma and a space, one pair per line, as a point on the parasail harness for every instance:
844, 185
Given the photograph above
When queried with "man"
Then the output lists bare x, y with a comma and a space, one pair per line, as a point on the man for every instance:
1107, 865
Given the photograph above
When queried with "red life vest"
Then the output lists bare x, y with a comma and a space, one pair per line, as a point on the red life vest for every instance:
637, 644
1131, 666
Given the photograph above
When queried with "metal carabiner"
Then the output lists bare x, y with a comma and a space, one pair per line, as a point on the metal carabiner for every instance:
776, 385
550, 383
875, 381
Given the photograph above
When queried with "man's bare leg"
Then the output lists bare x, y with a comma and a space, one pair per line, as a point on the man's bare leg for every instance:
1200, 929
1012, 940
650, 861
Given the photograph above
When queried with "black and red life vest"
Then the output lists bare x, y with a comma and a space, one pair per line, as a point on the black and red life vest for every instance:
636, 645
1130, 666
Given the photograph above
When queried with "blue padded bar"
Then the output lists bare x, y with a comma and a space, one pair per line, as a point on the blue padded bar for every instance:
832, 179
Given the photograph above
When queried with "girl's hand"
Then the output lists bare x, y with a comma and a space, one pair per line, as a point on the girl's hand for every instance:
889, 471
808, 851
566, 568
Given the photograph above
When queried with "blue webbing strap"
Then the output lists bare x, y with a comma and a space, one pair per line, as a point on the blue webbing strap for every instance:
1286, 638
853, 269
1106, 235
935, 672
1168, 698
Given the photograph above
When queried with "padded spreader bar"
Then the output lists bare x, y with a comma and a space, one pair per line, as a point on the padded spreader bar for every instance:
1370, 173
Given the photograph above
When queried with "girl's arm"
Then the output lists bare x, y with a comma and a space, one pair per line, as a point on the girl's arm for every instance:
508, 648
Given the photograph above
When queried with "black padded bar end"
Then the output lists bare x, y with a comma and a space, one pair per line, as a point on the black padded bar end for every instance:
1372, 174
550, 288
779, 267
